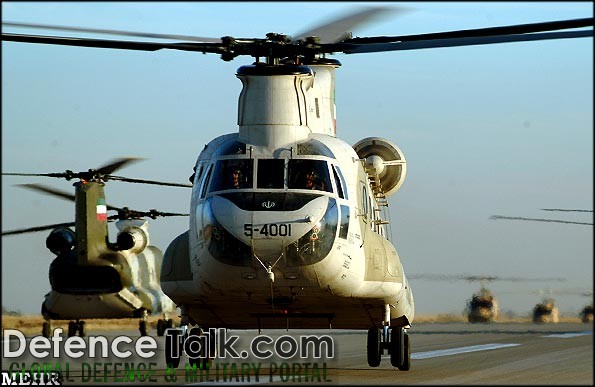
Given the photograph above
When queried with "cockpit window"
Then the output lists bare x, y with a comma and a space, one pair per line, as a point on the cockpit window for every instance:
271, 173
232, 174
309, 174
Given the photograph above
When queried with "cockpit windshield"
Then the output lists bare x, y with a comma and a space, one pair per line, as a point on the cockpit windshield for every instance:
232, 174
302, 174
309, 174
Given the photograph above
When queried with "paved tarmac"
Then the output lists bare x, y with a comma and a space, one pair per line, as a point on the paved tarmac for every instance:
442, 354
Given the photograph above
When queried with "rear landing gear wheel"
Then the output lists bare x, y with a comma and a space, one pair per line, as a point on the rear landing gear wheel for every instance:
142, 327
374, 347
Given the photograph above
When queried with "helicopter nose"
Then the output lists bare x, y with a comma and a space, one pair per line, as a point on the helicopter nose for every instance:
268, 232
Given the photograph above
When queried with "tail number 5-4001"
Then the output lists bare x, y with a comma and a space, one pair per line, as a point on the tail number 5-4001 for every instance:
271, 229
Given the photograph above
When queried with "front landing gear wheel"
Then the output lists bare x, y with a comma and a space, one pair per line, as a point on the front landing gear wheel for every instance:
142, 327
198, 337
374, 347
397, 349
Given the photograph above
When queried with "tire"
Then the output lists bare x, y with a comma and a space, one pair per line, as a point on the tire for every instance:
71, 328
197, 360
406, 366
170, 360
160, 327
142, 327
46, 329
397, 347
374, 347
81, 329
169, 323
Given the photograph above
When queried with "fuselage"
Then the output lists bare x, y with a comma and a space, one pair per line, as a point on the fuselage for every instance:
272, 246
285, 226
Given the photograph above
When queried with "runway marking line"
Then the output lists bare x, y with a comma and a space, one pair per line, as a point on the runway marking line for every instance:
456, 351
569, 335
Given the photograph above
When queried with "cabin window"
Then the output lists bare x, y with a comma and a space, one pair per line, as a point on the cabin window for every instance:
340, 183
232, 174
309, 174
344, 226
364, 199
271, 173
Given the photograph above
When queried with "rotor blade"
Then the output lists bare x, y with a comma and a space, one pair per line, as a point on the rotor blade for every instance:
337, 30
495, 217
457, 42
142, 181
564, 292
116, 44
559, 209
481, 32
49, 190
473, 278
115, 32
36, 229
159, 213
116, 164
127, 213
57, 193
62, 174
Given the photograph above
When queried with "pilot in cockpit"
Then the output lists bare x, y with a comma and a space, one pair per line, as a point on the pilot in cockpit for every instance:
236, 178
313, 181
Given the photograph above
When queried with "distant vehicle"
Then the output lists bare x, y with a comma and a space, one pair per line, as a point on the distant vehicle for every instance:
482, 307
91, 277
546, 312
587, 314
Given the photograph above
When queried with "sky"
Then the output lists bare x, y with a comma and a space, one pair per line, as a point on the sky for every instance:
504, 129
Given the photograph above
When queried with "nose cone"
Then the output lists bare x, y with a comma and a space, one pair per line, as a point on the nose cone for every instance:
268, 232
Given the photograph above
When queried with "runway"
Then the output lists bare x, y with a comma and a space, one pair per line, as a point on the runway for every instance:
442, 354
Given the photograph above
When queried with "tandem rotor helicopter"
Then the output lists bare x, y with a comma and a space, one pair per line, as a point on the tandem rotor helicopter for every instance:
91, 277
547, 310
288, 222
482, 306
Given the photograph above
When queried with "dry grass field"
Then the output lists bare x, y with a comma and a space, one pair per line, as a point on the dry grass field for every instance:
31, 324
